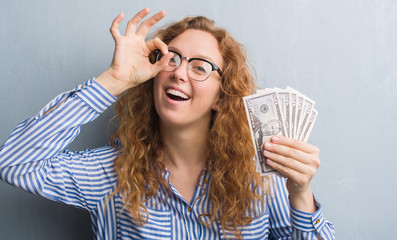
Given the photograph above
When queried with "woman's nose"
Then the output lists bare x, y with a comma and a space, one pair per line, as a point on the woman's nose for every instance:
181, 71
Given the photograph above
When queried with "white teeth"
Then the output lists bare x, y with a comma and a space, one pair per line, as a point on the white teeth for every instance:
177, 93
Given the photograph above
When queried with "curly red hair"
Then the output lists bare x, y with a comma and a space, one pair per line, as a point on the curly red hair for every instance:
235, 185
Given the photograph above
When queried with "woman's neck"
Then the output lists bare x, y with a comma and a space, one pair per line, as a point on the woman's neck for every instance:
186, 147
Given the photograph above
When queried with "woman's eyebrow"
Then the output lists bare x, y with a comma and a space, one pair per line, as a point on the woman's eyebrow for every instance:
174, 49
198, 56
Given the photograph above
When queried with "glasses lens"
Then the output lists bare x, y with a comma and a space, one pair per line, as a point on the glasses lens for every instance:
199, 69
174, 62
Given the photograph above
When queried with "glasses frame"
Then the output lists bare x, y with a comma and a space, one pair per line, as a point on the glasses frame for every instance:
158, 55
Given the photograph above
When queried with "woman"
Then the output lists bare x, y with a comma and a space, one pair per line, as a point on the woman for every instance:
180, 165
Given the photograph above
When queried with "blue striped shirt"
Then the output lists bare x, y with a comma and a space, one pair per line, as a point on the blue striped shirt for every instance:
34, 159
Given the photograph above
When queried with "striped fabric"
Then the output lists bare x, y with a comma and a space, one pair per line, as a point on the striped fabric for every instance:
34, 159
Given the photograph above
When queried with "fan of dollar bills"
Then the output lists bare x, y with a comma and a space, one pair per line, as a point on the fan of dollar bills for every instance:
277, 112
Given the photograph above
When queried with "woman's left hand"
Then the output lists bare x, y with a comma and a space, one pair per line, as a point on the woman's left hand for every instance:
298, 161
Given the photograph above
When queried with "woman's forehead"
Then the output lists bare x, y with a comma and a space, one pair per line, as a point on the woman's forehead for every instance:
197, 43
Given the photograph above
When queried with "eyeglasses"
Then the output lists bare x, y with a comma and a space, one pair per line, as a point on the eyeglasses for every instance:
198, 69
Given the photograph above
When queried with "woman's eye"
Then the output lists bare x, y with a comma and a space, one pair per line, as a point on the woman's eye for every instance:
173, 61
201, 69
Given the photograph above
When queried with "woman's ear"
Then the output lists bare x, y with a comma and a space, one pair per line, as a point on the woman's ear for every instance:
215, 106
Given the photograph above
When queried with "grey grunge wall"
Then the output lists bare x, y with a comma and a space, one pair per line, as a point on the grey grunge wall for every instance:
342, 54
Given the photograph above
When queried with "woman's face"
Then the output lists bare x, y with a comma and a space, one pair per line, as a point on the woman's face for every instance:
180, 100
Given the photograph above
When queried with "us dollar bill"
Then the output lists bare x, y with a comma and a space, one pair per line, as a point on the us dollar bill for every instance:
306, 110
299, 105
309, 126
293, 113
265, 120
284, 99
278, 112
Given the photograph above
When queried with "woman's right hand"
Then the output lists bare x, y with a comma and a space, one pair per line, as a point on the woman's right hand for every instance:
130, 65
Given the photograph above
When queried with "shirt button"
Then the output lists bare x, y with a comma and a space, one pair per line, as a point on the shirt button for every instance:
205, 181
189, 209
317, 221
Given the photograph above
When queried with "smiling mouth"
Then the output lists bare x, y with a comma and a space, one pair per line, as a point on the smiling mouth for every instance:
176, 95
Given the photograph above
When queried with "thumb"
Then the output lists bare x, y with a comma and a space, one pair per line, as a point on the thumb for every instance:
163, 63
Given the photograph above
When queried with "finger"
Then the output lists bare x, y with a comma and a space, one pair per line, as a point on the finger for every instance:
283, 170
131, 26
148, 23
287, 162
156, 43
288, 152
295, 143
114, 29
160, 65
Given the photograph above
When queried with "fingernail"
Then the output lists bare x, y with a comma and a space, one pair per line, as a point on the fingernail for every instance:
266, 152
268, 145
275, 139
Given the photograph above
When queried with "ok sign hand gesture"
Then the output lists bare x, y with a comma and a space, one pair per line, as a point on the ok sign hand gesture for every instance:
130, 65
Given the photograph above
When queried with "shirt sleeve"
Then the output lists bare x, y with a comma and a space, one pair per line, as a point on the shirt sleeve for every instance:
289, 223
34, 156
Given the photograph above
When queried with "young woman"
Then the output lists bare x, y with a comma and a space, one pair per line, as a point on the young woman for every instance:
180, 165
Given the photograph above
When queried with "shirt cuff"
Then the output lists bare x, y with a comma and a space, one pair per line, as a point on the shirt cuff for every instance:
95, 95
308, 222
